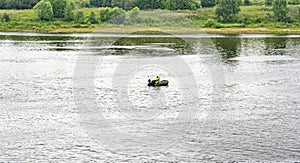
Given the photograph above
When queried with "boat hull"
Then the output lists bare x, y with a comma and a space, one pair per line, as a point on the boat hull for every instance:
162, 83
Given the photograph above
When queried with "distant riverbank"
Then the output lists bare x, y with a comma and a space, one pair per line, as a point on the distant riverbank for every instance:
151, 30
252, 20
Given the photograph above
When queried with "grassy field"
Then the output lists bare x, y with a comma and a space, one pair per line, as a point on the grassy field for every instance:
251, 19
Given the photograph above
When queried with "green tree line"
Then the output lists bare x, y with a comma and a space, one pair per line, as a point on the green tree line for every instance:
17, 4
47, 10
129, 4
124, 4
148, 4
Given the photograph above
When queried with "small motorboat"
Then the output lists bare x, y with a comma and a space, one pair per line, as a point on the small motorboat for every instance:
155, 84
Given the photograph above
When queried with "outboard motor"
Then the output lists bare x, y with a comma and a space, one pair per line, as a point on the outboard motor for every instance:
151, 82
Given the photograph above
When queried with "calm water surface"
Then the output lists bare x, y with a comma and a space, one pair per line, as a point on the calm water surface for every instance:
83, 97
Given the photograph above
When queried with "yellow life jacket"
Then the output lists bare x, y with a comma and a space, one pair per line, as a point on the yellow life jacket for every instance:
158, 79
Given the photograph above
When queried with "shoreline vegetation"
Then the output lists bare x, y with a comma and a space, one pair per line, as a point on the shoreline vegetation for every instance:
157, 30
253, 19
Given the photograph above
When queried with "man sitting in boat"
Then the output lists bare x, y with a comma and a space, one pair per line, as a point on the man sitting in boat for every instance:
157, 79
157, 82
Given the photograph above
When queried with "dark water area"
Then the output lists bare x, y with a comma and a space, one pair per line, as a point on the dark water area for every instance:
84, 97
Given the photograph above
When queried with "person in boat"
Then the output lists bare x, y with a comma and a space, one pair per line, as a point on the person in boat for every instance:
157, 79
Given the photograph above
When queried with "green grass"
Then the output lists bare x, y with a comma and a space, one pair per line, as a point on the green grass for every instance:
257, 2
251, 17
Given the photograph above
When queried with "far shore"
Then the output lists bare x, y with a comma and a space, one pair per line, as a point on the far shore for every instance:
172, 30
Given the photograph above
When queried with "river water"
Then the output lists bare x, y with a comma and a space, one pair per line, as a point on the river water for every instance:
84, 97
